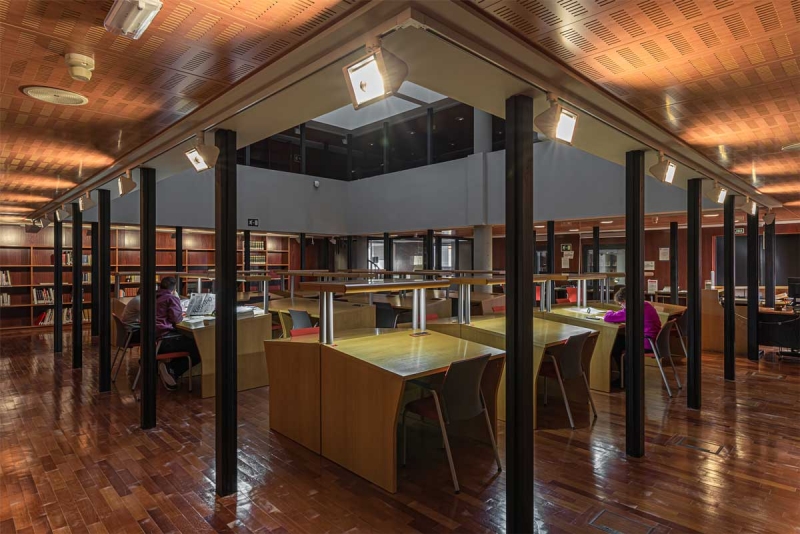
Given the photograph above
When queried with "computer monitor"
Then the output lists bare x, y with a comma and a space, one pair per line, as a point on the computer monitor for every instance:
794, 288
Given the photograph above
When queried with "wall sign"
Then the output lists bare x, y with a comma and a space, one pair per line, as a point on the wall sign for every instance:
566, 247
649, 266
663, 254
252, 222
739, 230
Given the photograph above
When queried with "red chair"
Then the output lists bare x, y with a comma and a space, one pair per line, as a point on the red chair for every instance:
164, 357
538, 292
304, 331
431, 316
498, 309
563, 301
572, 295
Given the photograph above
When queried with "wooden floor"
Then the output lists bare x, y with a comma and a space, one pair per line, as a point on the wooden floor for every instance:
72, 460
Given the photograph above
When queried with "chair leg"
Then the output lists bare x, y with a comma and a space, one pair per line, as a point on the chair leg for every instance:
446, 442
136, 380
683, 344
674, 371
114, 363
661, 368
564, 395
491, 437
589, 392
405, 439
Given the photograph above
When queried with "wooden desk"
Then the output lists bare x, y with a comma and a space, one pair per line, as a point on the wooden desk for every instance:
491, 331
344, 401
251, 333
347, 316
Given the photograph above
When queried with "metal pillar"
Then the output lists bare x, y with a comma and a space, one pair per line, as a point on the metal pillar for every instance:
179, 249
519, 314
77, 287
225, 324
673, 262
728, 261
753, 261
147, 285
770, 245
103, 285
634, 328
95, 275
694, 287
58, 287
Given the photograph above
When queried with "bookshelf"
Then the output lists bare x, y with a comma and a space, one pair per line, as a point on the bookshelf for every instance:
26, 265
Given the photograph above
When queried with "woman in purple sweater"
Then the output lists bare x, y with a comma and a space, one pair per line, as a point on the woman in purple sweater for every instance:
652, 325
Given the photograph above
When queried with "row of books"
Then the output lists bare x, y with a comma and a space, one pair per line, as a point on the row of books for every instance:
258, 259
5, 299
5, 278
66, 258
128, 291
48, 296
257, 245
46, 318
129, 278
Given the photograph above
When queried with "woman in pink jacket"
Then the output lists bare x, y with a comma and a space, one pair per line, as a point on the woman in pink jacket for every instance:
652, 325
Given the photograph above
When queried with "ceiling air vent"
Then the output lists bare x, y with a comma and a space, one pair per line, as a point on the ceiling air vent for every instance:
51, 95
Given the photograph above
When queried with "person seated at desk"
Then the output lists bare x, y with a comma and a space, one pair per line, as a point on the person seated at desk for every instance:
131, 316
169, 314
652, 325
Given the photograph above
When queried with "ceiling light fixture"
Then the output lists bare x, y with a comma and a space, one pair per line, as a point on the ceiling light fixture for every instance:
769, 218
202, 156
130, 18
606, 222
62, 214
375, 76
557, 123
86, 202
126, 184
538, 226
79, 66
711, 215
574, 229
664, 170
750, 207
793, 146
717, 194
51, 95
43, 222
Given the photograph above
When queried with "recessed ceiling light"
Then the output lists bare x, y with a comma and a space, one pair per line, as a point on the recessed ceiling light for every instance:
606, 222
51, 95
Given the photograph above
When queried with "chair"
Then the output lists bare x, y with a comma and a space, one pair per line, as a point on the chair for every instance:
408, 317
457, 398
562, 301
286, 324
300, 319
572, 294
566, 363
498, 309
384, 315
538, 292
123, 342
659, 349
167, 356
304, 331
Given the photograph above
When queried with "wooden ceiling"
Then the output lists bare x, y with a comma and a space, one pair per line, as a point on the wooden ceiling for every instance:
723, 75
193, 51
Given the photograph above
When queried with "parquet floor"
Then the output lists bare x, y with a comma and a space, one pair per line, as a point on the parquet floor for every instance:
72, 460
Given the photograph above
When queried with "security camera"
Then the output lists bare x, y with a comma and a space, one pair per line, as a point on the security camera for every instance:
80, 67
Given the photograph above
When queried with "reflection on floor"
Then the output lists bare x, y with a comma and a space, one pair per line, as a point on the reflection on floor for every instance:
73, 460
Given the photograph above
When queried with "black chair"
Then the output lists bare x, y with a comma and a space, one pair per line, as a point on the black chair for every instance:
565, 363
660, 349
126, 334
300, 319
384, 315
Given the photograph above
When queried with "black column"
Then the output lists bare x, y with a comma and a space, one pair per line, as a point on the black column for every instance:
429, 253
729, 265
302, 251
457, 254
519, 314
596, 256
77, 287
769, 264
95, 276
302, 148
551, 256
634, 280
753, 261
349, 157
673, 262
58, 288
225, 324
350, 252
439, 251
178, 249
324, 254
388, 257
385, 147
147, 285
694, 257
103, 285
246, 242
429, 129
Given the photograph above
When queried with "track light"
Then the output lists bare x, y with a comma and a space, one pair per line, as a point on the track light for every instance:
750, 207
202, 156
717, 194
86, 202
557, 122
125, 184
62, 214
44, 222
375, 76
769, 218
130, 18
664, 170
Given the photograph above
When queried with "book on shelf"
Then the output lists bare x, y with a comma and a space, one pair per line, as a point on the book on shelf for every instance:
5, 299
46, 318
5, 278
44, 295
256, 245
66, 258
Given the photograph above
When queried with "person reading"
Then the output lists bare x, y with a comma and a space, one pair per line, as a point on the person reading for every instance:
131, 315
652, 325
169, 314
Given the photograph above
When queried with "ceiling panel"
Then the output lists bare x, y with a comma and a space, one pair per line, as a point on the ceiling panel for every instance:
193, 51
722, 75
